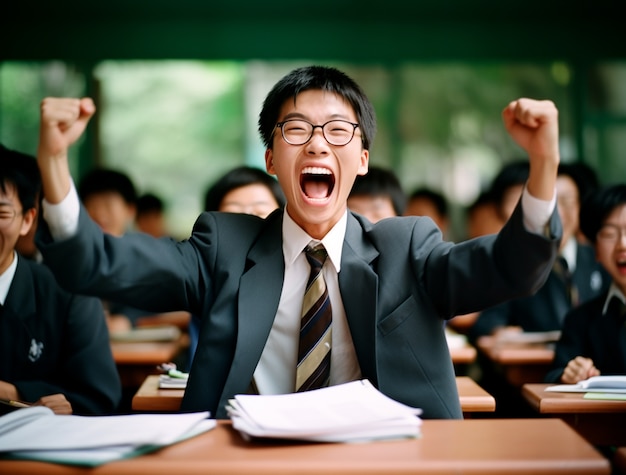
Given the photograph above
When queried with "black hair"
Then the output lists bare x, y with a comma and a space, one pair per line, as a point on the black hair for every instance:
20, 170
149, 202
597, 206
584, 176
317, 78
100, 180
484, 197
436, 198
236, 178
512, 174
381, 182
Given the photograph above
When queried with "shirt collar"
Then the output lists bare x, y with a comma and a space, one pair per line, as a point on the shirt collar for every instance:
613, 292
295, 239
569, 254
6, 278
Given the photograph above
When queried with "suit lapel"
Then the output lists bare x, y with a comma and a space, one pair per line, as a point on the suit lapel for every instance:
359, 289
259, 294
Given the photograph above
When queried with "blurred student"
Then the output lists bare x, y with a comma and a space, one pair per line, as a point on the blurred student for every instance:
575, 278
588, 182
54, 346
110, 198
377, 195
246, 190
483, 216
427, 202
150, 215
593, 339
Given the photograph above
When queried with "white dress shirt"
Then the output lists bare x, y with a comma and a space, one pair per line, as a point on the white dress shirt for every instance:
6, 278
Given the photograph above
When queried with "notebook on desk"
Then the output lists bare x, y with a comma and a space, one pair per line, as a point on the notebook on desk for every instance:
36, 433
596, 384
147, 334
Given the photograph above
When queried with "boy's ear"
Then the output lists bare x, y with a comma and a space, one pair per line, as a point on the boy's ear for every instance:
28, 221
269, 162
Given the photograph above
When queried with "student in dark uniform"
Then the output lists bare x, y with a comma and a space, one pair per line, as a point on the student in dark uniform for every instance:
390, 284
54, 346
593, 340
575, 278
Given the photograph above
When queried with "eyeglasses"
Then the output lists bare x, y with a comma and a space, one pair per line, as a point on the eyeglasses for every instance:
610, 233
299, 132
7, 216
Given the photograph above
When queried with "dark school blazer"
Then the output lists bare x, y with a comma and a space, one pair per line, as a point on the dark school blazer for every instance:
54, 342
587, 332
399, 281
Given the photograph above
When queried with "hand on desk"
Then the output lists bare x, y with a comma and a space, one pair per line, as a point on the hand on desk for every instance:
56, 402
578, 369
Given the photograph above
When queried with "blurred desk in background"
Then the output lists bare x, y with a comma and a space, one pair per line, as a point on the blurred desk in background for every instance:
520, 363
601, 422
136, 360
149, 398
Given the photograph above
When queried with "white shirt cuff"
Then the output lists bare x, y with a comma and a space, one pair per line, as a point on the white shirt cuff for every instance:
62, 218
537, 212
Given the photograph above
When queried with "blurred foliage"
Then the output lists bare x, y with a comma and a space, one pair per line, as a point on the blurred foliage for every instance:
176, 126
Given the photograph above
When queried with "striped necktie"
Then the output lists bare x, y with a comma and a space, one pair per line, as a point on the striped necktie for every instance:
313, 370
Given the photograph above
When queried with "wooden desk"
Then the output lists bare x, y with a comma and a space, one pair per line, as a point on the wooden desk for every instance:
136, 360
149, 398
476, 446
461, 351
520, 363
473, 398
463, 355
600, 422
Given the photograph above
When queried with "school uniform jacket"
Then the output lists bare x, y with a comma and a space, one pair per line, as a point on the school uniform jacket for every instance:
54, 342
399, 280
587, 332
546, 310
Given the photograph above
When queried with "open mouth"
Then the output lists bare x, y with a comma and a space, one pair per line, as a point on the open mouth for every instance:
317, 183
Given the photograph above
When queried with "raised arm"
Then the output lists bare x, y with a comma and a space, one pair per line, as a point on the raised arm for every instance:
533, 125
63, 121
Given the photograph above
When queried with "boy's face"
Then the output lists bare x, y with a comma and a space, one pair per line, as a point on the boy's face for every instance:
316, 204
13, 224
109, 210
611, 246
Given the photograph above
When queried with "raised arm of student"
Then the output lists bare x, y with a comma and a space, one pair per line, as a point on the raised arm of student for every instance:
533, 125
63, 121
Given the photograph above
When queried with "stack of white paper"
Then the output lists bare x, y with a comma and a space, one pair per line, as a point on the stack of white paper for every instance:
350, 412
36, 433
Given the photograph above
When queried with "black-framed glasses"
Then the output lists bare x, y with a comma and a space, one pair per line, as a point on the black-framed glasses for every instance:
610, 233
7, 216
299, 131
